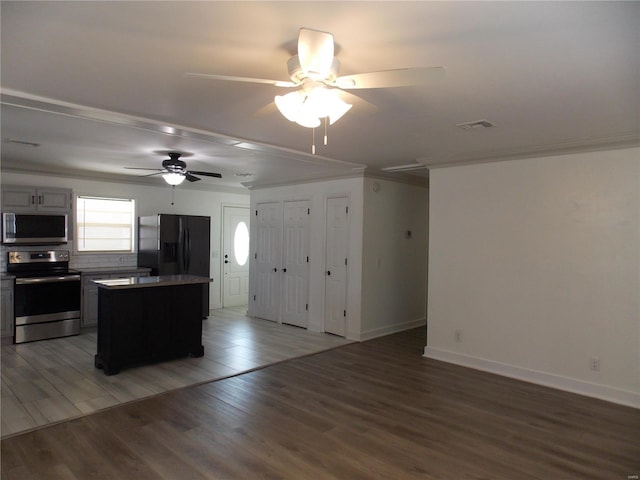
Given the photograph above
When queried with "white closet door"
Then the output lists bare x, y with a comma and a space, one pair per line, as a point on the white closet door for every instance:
268, 259
337, 236
295, 264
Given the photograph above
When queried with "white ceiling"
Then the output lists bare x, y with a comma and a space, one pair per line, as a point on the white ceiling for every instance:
101, 86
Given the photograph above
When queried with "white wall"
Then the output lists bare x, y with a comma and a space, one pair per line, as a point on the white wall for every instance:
149, 200
536, 263
393, 265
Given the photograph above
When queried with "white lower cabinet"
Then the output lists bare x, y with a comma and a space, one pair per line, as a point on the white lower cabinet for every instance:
90, 291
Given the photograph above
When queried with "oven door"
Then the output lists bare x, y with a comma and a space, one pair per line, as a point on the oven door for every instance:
46, 307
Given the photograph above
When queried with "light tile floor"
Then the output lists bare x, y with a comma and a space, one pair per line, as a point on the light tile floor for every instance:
54, 380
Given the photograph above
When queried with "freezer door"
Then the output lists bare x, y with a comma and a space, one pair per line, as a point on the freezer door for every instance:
169, 255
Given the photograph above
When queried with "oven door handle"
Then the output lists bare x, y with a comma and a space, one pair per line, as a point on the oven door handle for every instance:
63, 278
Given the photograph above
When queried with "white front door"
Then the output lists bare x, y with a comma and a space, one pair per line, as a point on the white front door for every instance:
336, 261
295, 263
235, 248
268, 260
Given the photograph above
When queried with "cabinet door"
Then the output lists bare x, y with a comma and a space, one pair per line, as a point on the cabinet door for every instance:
6, 323
31, 199
18, 199
54, 199
90, 299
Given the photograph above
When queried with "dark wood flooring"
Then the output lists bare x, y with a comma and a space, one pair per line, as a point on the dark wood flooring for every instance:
374, 410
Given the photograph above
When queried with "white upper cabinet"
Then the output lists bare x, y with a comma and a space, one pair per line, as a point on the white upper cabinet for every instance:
32, 199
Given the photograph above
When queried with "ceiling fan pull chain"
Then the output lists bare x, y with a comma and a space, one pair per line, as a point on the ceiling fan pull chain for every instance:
173, 189
325, 130
313, 141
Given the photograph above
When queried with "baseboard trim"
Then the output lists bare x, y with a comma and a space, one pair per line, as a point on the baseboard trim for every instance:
602, 392
389, 329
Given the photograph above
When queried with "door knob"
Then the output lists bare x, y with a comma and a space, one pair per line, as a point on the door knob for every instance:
328, 272
226, 261
275, 269
284, 270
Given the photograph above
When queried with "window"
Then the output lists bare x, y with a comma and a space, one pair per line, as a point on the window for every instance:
104, 224
241, 243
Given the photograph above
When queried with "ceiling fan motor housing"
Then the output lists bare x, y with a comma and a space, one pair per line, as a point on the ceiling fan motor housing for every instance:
298, 75
174, 165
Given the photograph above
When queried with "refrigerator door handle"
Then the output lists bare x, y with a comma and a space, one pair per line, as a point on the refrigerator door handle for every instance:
188, 257
185, 251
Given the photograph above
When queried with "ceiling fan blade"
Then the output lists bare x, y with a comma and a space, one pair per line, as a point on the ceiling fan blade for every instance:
191, 178
140, 168
315, 52
267, 109
402, 77
205, 174
359, 103
231, 78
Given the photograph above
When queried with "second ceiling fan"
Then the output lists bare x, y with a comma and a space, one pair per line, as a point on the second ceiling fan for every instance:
174, 171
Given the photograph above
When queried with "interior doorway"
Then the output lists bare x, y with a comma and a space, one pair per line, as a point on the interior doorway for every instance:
235, 256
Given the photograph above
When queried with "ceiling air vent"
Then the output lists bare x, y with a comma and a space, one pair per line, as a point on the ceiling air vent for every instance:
476, 125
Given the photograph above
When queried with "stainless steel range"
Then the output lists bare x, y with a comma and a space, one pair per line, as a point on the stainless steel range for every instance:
46, 295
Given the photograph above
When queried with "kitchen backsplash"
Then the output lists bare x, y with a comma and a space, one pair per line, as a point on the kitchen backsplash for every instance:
77, 261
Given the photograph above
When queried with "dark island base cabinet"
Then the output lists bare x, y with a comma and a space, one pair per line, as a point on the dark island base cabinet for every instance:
146, 325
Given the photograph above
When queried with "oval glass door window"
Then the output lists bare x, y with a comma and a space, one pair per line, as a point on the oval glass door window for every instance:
241, 244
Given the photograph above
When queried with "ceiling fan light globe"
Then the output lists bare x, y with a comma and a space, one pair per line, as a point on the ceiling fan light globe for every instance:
325, 102
289, 105
308, 121
338, 111
173, 178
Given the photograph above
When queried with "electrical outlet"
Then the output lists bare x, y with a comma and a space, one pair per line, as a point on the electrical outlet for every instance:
458, 336
594, 364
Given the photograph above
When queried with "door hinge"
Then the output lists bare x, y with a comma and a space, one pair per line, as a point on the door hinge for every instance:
344, 313
347, 208
306, 307
254, 298
256, 213
345, 261
308, 211
307, 259
255, 256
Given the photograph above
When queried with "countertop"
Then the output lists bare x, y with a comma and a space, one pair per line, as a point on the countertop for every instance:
146, 282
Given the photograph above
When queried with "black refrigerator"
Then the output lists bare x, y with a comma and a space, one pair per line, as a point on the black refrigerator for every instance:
176, 244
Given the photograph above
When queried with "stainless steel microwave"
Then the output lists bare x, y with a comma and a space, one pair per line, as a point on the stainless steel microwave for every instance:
34, 228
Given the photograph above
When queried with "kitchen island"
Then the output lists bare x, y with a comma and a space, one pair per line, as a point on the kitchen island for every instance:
148, 319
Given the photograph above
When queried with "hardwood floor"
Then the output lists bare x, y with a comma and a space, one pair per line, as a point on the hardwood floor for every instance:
376, 409
55, 380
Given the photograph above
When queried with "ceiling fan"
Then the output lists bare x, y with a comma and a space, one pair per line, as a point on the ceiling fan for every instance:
314, 72
174, 171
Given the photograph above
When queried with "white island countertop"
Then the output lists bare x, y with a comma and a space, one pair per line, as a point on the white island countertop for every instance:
146, 282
